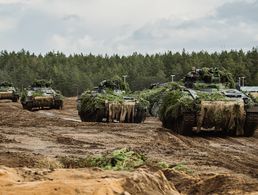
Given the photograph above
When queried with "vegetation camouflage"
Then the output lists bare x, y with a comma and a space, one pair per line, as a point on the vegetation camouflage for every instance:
8, 91
40, 95
208, 97
111, 102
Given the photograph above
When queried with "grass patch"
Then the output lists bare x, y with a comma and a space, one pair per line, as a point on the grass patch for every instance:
48, 163
163, 165
122, 159
182, 167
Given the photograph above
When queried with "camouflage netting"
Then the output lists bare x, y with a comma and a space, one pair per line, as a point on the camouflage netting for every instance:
174, 104
111, 107
212, 110
41, 83
40, 95
5, 84
154, 95
111, 103
37, 89
116, 83
34, 93
222, 115
7, 91
211, 76
254, 96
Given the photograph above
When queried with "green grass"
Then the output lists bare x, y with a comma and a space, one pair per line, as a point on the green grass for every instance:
182, 167
122, 159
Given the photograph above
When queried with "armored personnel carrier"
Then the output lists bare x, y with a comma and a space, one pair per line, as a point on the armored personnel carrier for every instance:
8, 91
251, 91
209, 102
110, 102
40, 95
154, 95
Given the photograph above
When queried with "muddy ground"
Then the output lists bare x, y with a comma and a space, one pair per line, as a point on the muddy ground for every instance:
211, 163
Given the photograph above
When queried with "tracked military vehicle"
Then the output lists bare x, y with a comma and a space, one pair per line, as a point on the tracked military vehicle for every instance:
209, 102
154, 95
40, 95
251, 91
111, 102
8, 91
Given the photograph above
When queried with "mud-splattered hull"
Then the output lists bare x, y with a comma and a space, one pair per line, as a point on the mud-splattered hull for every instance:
6, 95
42, 102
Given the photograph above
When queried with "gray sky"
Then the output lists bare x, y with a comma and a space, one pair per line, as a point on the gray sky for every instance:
126, 26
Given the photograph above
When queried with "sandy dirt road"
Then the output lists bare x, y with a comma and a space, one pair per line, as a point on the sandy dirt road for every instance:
217, 163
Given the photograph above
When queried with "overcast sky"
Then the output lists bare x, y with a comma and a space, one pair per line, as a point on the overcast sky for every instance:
127, 26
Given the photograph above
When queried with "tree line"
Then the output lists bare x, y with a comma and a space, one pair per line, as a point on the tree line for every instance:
75, 73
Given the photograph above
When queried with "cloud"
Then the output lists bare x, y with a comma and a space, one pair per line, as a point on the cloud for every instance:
71, 17
10, 1
115, 26
7, 24
70, 44
244, 11
232, 26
